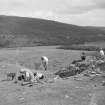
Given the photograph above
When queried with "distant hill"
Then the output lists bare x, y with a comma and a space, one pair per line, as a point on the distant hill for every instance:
22, 31
96, 28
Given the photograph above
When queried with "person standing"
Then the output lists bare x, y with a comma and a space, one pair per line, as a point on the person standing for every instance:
83, 56
44, 62
101, 52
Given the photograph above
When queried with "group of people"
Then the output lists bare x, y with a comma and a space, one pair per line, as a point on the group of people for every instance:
25, 74
100, 53
83, 57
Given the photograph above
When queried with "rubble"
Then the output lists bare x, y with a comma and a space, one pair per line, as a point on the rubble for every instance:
91, 68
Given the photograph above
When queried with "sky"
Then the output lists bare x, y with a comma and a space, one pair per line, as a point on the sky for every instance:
78, 12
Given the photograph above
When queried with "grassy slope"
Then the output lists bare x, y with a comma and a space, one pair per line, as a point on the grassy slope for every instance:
21, 31
30, 57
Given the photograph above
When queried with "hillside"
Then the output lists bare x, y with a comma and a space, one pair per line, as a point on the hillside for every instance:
22, 31
96, 28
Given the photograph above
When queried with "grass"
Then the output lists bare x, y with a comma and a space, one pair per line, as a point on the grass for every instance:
30, 57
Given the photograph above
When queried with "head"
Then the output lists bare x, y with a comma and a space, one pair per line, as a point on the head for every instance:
100, 48
35, 74
42, 58
22, 71
83, 53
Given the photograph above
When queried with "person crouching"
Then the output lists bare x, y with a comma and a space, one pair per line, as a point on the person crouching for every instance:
101, 52
26, 75
38, 76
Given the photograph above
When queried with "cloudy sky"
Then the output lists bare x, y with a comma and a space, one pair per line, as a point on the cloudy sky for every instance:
79, 12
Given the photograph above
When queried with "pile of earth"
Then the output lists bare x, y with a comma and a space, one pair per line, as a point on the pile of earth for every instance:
95, 65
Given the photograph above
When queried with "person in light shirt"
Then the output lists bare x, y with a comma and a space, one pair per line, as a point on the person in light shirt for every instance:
102, 52
44, 62
28, 75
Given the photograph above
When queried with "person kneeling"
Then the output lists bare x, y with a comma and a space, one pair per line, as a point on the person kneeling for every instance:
25, 75
38, 76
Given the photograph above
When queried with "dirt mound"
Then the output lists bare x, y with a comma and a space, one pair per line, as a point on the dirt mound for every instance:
72, 70
91, 65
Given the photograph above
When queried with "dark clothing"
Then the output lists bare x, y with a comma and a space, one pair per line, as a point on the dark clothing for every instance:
83, 57
21, 77
42, 77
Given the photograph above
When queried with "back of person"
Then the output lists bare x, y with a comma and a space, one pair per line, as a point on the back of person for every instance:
28, 74
44, 59
83, 56
101, 52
